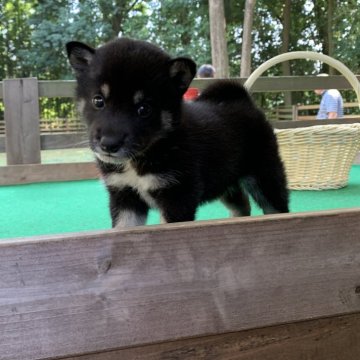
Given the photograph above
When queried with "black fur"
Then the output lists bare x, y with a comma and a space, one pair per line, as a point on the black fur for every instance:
219, 146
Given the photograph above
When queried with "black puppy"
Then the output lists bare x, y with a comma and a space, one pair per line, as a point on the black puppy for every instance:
154, 150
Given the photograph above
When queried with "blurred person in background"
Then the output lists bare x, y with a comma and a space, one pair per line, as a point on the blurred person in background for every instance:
331, 104
206, 71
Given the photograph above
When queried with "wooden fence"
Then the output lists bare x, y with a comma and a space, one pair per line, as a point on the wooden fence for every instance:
301, 112
282, 287
24, 140
275, 287
25, 133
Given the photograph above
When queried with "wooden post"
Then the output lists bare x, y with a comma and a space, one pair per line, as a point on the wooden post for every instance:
22, 128
295, 112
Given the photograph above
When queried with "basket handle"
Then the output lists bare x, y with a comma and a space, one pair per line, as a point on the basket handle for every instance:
309, 55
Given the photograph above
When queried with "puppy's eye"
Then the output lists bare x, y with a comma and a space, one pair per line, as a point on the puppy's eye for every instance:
98, 102
144, 110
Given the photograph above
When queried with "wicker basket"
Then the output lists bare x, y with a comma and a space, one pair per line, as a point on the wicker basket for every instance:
318, 157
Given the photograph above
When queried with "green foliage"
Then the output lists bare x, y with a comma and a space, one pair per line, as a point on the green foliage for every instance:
15, 36
55, 23
57, 107
347, 33
180, 27
33, 34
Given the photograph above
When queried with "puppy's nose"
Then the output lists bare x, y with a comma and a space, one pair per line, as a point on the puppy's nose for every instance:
110, 144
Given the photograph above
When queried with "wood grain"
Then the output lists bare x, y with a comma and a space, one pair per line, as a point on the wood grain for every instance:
22, 121
53, 141
323, 339
287, 83
69, 295
25, 174
57, 88
64, 140
66, 88
306, 123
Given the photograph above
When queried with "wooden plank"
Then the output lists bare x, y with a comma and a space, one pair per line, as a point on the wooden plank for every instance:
322, 339
62, 125
288, 83
22, 121
316, 106
57, 88
69, 295
294, 112
313, 117
64, 140
2, 144
305, 123
66, 88
307, 117
300, 83
73, 128
57, 141
25, 174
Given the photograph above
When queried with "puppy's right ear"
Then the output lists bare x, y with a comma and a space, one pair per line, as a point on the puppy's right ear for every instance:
182, 71
80, 55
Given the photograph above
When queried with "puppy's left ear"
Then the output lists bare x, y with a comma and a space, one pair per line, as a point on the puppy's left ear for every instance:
80, 55
182, 70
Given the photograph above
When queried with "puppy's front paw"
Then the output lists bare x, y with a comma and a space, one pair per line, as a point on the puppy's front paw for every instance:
127, 218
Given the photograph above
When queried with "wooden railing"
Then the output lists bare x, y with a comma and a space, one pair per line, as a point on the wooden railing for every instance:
266, 287
301, 112
25, 137
55, 125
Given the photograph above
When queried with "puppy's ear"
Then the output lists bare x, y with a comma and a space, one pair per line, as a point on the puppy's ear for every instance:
182, 70
80, 55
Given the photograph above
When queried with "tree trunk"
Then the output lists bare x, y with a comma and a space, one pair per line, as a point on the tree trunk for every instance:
245, 68
115, 13
330, 16
321, 22
219, 53
285, 65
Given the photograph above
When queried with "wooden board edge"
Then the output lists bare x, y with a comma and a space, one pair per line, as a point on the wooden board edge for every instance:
193, 226
329, 338
32, 173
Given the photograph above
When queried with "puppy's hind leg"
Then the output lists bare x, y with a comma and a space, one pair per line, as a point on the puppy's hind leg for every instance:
236, 201
269, 191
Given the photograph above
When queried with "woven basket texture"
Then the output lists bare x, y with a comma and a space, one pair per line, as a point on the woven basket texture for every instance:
318, 157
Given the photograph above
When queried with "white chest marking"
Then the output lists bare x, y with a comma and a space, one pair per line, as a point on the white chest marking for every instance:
142, 184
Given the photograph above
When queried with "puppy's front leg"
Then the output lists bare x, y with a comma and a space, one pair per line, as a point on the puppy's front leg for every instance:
127, 208
176, 208
171, 215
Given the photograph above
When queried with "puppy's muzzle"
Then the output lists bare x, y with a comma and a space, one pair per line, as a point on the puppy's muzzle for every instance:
111, 145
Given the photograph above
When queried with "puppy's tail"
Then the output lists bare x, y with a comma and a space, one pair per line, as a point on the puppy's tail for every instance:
225, 91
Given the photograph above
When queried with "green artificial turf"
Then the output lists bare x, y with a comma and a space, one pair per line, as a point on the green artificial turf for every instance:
52, 208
